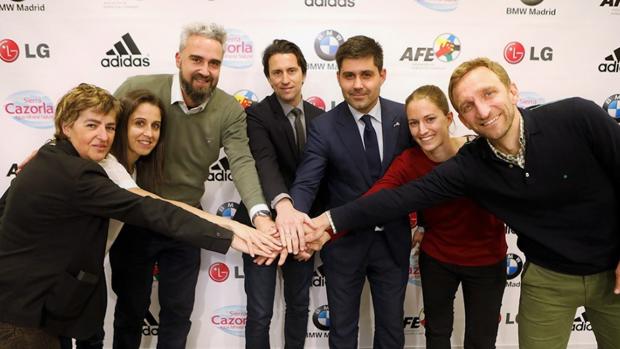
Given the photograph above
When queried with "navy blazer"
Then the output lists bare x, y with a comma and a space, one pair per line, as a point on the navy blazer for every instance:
335, 152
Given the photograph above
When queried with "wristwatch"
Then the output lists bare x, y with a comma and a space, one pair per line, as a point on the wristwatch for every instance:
261, 213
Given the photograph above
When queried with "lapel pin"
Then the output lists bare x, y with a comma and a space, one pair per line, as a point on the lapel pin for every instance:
396, 124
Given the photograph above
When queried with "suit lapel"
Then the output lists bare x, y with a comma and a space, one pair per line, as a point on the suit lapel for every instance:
309, 114
391, 125
349, 133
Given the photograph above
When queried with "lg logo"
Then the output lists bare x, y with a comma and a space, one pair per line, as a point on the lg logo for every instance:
9, 51
219, 272
514, 53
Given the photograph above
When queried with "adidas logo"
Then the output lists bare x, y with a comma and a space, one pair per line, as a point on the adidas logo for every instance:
150, 326
125, 53
581, 323
610, 3
614, 65
220, 171
318, 277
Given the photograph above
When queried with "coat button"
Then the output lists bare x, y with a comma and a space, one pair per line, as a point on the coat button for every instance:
527, 174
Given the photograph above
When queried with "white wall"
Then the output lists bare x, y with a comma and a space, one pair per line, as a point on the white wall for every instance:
62, 43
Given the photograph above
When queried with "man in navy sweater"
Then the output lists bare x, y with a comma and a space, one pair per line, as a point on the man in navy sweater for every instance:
552, 174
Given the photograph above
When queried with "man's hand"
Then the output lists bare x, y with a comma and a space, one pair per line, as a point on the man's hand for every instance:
265, 225
257, 240
267, 261
317, 244
304, 256
242, 246
617, 288
319, 225
290, 223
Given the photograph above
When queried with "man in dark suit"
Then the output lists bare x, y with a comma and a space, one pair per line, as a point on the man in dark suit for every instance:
350, 147
277, 132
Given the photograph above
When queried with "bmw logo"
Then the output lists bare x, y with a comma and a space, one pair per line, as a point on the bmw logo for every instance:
612, 105
320, 318
514, 265
227, 209
326, 44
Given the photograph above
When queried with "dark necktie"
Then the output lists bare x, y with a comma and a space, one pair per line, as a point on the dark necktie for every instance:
372, 148
299, 130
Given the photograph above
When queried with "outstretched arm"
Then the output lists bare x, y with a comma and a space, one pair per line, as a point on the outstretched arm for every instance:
292, 216
265, 243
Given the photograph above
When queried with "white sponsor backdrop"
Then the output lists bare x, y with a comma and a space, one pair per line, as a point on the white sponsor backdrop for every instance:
47, 47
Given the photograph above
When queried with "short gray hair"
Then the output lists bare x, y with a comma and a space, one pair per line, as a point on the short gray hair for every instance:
207, 30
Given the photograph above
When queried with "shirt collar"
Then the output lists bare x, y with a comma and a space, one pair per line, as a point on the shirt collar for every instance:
519, 158
375, 112
176, 96
286, 108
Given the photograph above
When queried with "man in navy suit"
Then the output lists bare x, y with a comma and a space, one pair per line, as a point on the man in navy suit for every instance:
350, 147
277, 134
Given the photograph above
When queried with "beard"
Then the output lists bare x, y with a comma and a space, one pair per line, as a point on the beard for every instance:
198, 95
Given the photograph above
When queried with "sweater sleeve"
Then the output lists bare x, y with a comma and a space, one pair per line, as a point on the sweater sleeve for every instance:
242, 166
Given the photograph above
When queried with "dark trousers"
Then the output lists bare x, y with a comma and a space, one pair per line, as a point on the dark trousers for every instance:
344, 284
13, 337
483, 289
94, 342
260, 282
132, 258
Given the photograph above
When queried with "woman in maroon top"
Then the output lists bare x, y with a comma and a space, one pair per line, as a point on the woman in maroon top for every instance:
463, 243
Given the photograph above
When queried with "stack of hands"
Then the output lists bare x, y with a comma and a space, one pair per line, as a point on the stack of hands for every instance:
293, 232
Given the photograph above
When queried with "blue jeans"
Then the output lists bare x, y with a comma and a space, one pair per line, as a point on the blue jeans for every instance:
260, 283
